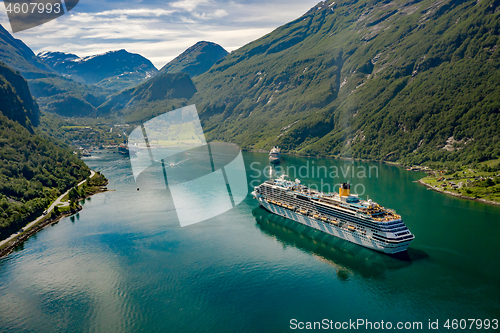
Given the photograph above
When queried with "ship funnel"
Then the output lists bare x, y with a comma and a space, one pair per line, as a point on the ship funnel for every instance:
345, 190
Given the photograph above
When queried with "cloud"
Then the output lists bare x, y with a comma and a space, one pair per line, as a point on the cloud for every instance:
189, 5
219, 13
159, 30
144, 12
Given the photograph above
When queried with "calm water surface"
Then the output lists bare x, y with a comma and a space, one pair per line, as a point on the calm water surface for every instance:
124, 264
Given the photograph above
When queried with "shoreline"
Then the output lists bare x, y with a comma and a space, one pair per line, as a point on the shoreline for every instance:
436, 189
352, 159
10, 245
428, 171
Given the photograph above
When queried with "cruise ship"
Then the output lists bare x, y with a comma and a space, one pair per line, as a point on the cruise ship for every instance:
341, 214
275, 155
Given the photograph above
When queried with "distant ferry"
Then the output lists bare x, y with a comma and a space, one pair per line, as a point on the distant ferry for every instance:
123, 149
274, 155
86, 153
339, 214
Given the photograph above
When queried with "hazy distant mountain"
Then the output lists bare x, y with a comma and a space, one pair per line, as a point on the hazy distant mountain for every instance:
196, 60
408, 81
115, 69
155, 96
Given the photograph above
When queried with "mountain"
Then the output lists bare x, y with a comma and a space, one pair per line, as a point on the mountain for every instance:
162, 93
59, 61
17, 55
407, 81
16, 101
33, 170
116, 70
196, 60
50, 88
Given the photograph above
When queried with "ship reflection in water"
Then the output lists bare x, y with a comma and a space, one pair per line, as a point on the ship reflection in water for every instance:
347, 258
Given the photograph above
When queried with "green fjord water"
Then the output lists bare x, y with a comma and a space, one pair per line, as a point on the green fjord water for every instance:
124, 264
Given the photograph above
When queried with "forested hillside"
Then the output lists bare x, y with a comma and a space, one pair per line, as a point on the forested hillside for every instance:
32, 170
16, 101
406, 81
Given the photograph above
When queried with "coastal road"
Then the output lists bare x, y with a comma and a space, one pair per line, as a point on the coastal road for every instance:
49, 210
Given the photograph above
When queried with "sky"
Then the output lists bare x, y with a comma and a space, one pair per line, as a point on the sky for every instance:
158, 29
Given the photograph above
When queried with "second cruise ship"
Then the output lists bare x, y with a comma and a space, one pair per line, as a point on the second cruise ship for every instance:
339, 214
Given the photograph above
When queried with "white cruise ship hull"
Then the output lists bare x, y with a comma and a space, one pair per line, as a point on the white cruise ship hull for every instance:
337, 231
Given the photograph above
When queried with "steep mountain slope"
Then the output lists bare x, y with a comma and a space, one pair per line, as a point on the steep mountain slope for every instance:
408, 81
115, 69
155, 96
17, 55
196, 60
16, 101
32, 169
